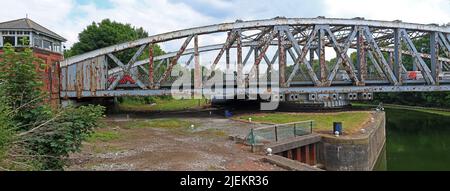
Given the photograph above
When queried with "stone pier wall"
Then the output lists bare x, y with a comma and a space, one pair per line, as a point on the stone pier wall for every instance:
358, 153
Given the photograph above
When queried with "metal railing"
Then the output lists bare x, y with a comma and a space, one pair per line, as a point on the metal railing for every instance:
279, 132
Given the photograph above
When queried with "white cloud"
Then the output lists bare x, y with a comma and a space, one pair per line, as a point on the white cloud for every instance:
68, 18
415, 11
155, 16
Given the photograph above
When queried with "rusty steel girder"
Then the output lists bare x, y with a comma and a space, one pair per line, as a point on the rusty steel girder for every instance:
375, 43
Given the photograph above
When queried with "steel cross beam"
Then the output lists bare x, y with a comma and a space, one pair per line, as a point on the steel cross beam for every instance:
347, 45
296, 37
422, 65
379, 56
127, 69
175, 60
348, 65
261, 54
302, 55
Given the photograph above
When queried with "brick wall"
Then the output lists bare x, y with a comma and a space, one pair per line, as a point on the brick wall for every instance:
49, 74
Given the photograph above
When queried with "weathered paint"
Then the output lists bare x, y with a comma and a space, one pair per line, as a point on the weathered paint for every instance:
374, 38
150, 67
281, 60
255, 24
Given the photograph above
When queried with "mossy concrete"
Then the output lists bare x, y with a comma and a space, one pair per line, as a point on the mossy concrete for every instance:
358, 153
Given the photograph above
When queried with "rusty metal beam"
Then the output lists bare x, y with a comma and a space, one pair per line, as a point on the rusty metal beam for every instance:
150, 66
339, 61
281, 60
397, 55
135, 57
320, 90
116, 60
377, 66
198, 81
346, 62
239, 70
434, 52
422, 65
379, 56
301, 56
175, 60
361, 56
292, 55
252, 24
322, 61
226, 46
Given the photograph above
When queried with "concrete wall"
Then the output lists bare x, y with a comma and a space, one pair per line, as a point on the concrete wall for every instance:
354, 154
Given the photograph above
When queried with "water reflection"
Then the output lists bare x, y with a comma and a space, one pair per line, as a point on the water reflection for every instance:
416, 141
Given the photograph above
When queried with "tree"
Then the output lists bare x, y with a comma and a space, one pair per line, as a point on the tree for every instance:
32, 135
107, 33
20, 85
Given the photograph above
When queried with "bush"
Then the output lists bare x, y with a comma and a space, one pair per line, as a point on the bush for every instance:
54, 141
32, 135
5, 130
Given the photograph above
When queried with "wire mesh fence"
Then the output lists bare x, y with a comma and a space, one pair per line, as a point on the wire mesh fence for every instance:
279, 132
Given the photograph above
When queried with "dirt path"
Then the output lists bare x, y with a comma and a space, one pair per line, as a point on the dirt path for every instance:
206, 147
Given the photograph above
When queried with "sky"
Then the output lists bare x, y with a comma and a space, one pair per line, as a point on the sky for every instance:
69, 17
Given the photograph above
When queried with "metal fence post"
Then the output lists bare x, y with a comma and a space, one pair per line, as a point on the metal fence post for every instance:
276, 133
253, 137
295, 130
310, 126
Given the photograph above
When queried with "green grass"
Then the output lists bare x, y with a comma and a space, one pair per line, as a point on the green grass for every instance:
159, 123
161, 104
412, 108
103, 136
351, 121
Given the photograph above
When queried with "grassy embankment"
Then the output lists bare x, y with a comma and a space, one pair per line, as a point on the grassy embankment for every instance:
323, 122
438, 111
176, 126
153, 104
162, 104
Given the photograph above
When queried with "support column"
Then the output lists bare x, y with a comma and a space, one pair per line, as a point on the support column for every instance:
150, 66
281, 60
307, 157
240, 82
322, 61
298, 154
257, 68
397, 56
289, 154
361, 53
198, 81
313, 154
434, 53
227, 55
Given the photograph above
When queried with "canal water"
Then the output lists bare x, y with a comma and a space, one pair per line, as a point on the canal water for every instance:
415, 141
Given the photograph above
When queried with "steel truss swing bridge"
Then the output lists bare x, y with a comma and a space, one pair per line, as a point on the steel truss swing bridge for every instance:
295, 49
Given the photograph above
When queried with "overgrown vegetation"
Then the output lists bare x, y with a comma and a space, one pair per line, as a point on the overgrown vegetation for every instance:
34, 136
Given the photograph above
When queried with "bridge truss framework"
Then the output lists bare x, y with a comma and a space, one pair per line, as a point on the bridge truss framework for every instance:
265, 46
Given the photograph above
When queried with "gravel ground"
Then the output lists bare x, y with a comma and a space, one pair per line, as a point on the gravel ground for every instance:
154, 149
